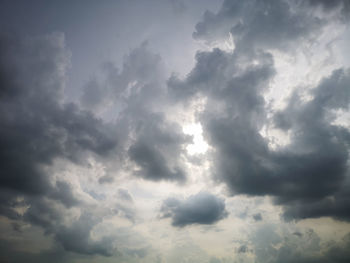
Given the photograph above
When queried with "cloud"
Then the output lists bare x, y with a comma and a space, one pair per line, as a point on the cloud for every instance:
202, 208
138, 80
243, 249
257, 24
125, 195
324, 148
233, 85
318, 150
65, 166
305, 248
157, 149
328, 6
153, 143
77, 237
257, 217
37, 127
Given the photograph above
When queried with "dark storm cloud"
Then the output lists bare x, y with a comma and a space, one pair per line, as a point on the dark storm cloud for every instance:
203, 208
324, 150
309, 177
219, 75
318, 152
37, 128
235, 112
155, 149
257, 24
44, 213
156, 144
64, 193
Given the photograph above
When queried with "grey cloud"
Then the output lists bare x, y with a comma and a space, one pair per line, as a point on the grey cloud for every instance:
298, 234
219, 75
309, 177
37, 128
328, 4
247, 165
202, 208
243, 249
138, 79
64, 193
179, 6
331, 5
74, 235
44, 213
206, 76
125, 210
234, 114
312, 250
140, 253
93, 95
257, 24
125, 195
12, 254
328, 143
123, 206
77, 237
138, 93
157, 149
257, 217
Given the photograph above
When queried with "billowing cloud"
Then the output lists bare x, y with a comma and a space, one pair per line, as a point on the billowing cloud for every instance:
258, 24
257, 217
202, 208
153, 143
36, 126
100, 124
236, 111
77, 237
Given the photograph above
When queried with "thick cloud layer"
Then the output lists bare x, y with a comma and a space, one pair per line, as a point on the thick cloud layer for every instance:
152, 142
202, 208
257, 24
235, 112
84, 171
37, 128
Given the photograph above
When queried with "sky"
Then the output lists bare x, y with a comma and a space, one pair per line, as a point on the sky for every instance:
173, 131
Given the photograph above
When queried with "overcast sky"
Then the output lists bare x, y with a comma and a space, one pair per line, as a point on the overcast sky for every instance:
173, 131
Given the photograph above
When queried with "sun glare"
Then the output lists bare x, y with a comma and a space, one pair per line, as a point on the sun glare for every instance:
199, 145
